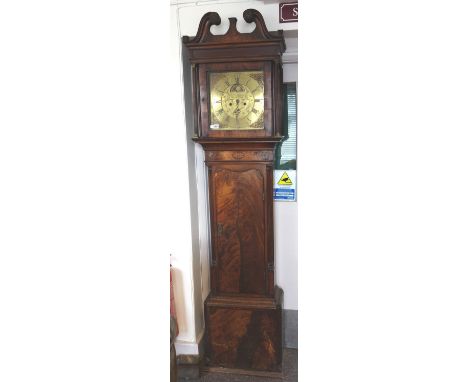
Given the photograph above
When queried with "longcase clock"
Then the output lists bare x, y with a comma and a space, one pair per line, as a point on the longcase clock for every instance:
237, 104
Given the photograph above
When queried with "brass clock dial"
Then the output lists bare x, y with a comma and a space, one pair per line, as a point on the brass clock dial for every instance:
237, 100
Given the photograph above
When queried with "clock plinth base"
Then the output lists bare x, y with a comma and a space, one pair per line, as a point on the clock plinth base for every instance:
244, 333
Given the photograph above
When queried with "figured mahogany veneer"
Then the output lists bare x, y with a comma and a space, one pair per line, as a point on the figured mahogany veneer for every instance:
243, 312
239, 240
243, 335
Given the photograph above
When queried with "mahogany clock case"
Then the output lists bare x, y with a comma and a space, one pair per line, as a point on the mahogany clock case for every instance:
243, 312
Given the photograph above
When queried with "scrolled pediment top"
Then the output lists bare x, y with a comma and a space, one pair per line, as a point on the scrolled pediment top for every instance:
233, 36
253, 16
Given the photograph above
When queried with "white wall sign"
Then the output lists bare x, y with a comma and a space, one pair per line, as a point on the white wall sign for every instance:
284, 186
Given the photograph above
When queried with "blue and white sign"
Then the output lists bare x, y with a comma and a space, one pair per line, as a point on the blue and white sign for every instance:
284, 186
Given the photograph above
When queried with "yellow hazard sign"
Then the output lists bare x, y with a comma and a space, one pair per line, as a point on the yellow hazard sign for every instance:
285, 180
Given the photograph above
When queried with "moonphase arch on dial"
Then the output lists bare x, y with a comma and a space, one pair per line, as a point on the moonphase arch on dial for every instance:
237, 100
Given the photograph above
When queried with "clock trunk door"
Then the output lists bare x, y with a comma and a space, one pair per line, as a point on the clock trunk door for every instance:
239, 229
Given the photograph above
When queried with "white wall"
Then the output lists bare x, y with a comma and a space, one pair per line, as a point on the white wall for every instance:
191, 285
286, 215
182, 255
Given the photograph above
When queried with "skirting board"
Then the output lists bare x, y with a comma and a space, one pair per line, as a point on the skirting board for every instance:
190, 348
186, 348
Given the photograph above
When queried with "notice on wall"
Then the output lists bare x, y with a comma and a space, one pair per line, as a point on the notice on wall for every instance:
288, 12
284, 185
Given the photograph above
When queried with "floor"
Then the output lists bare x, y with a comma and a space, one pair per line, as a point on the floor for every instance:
289, 372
